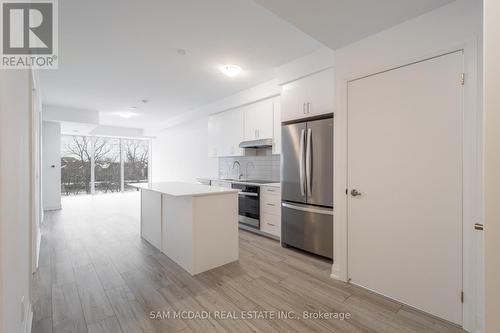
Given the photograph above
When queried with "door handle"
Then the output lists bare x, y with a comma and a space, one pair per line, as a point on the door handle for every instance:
309, 209
478, 226
308, 162
355, 192
301, 162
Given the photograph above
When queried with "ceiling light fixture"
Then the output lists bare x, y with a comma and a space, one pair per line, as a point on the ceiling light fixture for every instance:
125, 114
230, 70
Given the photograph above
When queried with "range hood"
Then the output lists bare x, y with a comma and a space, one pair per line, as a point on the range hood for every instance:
261, 143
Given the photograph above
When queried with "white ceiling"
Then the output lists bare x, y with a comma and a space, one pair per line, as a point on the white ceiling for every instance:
337, 23
114, 53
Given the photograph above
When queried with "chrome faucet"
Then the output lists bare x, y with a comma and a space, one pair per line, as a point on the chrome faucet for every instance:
239, 168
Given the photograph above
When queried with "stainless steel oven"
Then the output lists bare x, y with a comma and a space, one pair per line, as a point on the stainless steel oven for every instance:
248, 204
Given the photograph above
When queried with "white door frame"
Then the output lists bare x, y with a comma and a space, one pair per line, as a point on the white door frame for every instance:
472, 177
36, 210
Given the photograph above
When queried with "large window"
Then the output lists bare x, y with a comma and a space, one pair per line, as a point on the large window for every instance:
102, 164
136, 162
76, 154
107, 165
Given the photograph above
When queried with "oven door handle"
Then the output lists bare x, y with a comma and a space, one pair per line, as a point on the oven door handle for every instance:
249, 194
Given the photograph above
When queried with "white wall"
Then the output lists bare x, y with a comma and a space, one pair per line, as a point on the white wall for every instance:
444, 29
311, 63
51, 156
60, 113
492, 162
180, 153
125, 132
15, 236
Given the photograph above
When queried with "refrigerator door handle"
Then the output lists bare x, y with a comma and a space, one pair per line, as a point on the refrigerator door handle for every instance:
308, 209
308, 162
301, 162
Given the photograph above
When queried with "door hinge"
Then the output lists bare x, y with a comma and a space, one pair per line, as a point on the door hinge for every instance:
462, 297
346, 191
462, 78
478, 226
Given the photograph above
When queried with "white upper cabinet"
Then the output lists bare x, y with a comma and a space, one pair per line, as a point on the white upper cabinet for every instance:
258, 119
276, 126
225, 132
213, 135
309, 96
232, 132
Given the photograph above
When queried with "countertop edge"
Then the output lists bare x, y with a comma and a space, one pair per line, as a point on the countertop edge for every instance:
193, 194
277, 185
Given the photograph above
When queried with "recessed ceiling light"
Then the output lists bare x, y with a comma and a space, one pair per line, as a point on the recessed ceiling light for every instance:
230, 70
126, 114
132, 108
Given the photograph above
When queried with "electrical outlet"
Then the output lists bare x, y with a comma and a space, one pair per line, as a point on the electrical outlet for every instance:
23, 307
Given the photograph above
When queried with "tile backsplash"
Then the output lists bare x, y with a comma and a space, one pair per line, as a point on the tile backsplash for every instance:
256, 164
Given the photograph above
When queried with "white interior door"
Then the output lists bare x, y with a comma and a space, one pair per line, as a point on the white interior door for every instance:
405, 158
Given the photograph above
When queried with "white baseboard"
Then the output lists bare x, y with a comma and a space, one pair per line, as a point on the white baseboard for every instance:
336, 275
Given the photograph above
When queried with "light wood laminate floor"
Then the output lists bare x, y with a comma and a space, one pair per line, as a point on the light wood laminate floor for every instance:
97, 275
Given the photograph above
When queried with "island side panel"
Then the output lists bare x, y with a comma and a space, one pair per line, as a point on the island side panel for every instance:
216, 238
151, 217
177, 241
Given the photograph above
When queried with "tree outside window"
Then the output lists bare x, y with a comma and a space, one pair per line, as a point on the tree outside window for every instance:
109, 156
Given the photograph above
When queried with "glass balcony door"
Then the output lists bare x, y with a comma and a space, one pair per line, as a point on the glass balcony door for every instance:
107, 165
102, 164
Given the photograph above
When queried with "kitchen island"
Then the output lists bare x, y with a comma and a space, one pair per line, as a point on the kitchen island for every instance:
194, 225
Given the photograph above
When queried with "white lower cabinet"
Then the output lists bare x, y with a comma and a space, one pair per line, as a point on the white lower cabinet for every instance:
271, 224
270, 210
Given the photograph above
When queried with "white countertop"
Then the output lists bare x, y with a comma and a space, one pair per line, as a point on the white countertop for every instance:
241, 182
181, 189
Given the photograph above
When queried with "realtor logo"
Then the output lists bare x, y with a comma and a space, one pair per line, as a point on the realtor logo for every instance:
29, 34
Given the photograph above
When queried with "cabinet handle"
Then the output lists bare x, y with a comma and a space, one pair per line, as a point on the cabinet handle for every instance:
270, 224
304, 108
270, 204
308, 107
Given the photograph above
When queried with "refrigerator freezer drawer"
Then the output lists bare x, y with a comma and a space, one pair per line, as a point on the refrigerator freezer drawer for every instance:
308, 228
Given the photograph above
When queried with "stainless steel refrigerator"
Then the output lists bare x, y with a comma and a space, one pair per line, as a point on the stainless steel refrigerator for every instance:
307, 186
